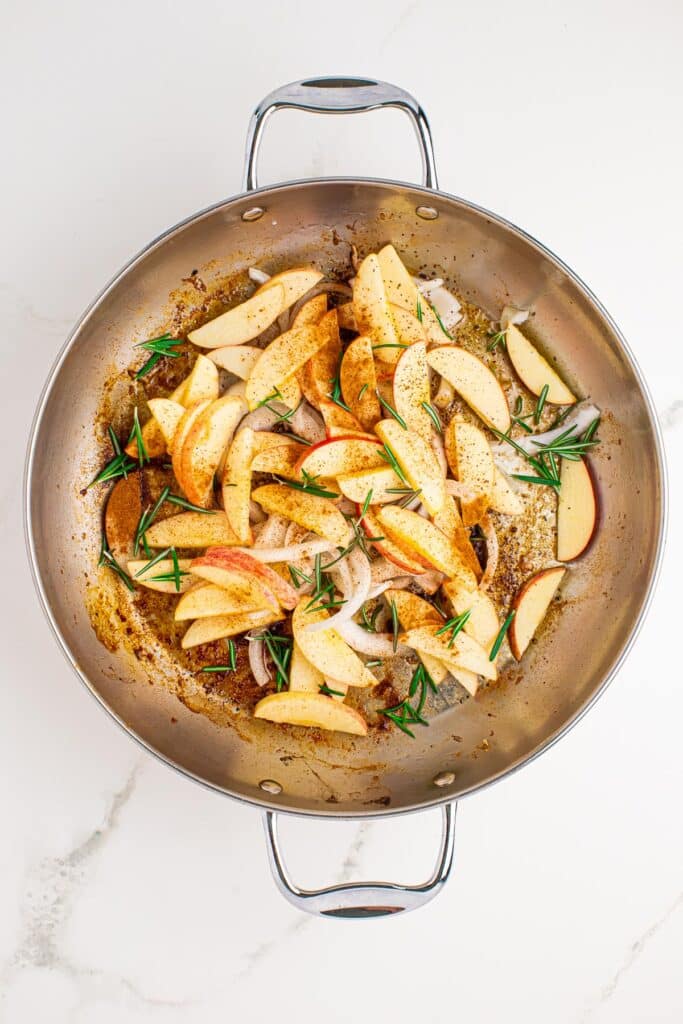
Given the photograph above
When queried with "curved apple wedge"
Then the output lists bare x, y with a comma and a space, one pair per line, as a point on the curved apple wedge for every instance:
311, 312
281, 459
359, 382
326, 650
338, 455
411, 390
312, 710
243, 322
530, 606
251, 568
371, 307
191, 530
533, 370
303, 676
577, 510
340, 423
469, 455
207, 599
219, 627
483, 622
185, 425
237, 484
279, 360
167, 415
381, 483
384, 545
414, 611
417, 461
163, 568
205, 446
320, 369
308, 510
475, 383
426, 543
503, 498
296, 282
460, 652
248, 594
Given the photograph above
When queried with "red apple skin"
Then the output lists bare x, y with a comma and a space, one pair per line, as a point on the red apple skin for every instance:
414, 568
597, 498
240, 561
512, 636
333, 440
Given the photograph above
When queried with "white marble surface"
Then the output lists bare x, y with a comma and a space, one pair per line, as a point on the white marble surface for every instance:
128, 894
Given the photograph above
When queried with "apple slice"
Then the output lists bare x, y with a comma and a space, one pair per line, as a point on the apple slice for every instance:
209, 599
241, 360
338, 455
448, 520
530, 606
303, 676
577, 510
359, 382
205, 445
379, 482
246, 594
243, 322
283, 357
280, 460
162, 568
167, 415
418, 463
425, 542
311, 710
402, 291
308, 510
346, 317
414, 612
311, 312
473, 467
219, 627
371, 307
384, 545
483, 622
503, 498
533, 370
411, 390
473, 380
339, 422
409, 330
250, 567
461, 652
326, 650
191, 530
296, 282
200, 385
185, 425
316, 377
237, 484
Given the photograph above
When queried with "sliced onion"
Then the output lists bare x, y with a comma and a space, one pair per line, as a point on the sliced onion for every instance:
492, 552
308, 424
330, 287
440, 452
289, 553
381, 587
580, 418
459, 490
256, 513
258, 276
354, 258
427, 582
263, 418
512, 315
355, 594
427, 287
273, 532
381, 569
443, 301
257, 657
377, 645
445, 393
295, 534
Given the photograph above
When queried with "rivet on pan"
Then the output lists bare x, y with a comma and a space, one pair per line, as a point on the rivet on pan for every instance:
444, 779
253, 213
270, 786
427, 212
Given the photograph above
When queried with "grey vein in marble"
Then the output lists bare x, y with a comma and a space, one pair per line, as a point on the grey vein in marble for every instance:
631, 957
52, 889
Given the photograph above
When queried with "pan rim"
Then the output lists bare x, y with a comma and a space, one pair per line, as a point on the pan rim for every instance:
443, 798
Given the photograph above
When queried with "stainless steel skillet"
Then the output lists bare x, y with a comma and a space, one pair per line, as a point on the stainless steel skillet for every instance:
490, 262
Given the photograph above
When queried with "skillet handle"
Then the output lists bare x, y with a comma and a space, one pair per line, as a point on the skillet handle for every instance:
339, 96
362, 899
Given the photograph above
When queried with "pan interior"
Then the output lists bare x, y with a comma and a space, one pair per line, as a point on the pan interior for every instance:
488, 263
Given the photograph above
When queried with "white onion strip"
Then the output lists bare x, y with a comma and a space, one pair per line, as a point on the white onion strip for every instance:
492, 552
377, 645
273, 532
460, 490
289, 553
512, 315
257, 657
307, 424
355, 594
581, 418
258, 276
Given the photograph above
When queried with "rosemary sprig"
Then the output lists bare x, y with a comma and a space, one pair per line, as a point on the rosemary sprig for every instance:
280, 650
369, 624
390, 344
541, 403
120, 465
154, 561
107, 559
454, 626
560, 418
440, 322
297, 576
177, 499
162, 346
388, 456
170, 577
366, 503
501, 636
232, 661
433, 415
114, 440
418, 311
336, 393
274, 396
299, 438
394, 623
146, 520
308, 486
362, 391
136, 433
390, 409
329, 692
404, 714
497, 338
